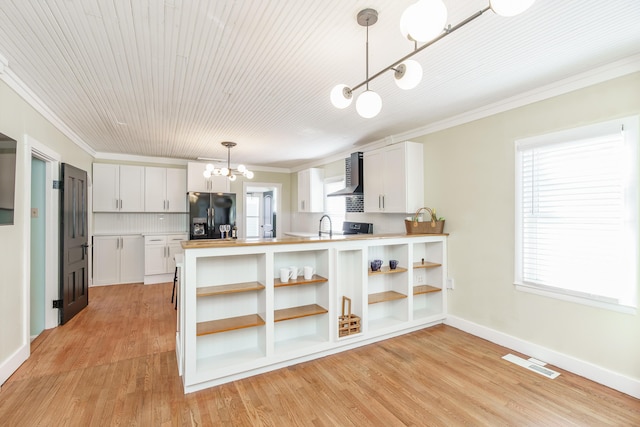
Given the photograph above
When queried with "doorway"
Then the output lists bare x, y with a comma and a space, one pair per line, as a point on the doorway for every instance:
48, 172
262, 204
38, 250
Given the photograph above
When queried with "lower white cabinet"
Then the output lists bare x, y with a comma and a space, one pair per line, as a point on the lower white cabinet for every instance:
240, 318
118, 259
159, 254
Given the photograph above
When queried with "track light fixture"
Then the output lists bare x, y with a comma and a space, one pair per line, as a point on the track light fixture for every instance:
424, 21
231, 174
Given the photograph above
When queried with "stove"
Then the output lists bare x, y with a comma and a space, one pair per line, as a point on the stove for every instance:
357, 228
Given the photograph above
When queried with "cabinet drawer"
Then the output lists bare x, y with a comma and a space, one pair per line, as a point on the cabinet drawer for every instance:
155, 240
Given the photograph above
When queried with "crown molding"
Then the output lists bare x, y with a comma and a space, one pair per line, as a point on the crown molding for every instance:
9, 77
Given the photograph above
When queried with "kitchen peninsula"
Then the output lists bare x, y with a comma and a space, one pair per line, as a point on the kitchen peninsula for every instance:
239, 315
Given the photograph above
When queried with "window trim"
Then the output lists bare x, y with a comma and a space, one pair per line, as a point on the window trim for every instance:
631, 126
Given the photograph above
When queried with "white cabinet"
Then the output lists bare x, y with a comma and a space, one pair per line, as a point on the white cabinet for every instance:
197, 182
159, 252
118, 188
311, 190
118, 259
394, 178
165, 190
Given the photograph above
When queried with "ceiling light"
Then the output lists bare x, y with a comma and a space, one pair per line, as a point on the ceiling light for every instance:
510, 7
408, 74
424, 21
211, 170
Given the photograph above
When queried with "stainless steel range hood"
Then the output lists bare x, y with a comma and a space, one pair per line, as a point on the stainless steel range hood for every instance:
353, 177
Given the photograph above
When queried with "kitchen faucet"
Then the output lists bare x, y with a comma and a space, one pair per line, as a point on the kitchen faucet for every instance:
320, 232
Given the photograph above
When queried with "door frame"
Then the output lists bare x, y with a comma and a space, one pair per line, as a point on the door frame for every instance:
278, 206
52, 159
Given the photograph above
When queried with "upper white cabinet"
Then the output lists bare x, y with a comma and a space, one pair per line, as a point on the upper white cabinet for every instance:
197, 182
394, 178
310, 190
165, 190
118, 188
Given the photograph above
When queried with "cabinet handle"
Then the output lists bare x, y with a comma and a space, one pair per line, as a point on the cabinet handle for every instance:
167, 205
383, 201
117, 204
379, 201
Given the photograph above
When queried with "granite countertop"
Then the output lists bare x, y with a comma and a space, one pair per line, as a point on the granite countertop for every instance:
228, 243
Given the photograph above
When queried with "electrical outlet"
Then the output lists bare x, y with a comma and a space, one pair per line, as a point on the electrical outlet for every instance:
419, 279
450, 283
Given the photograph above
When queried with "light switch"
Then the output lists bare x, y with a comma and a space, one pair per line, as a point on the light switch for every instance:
34, 213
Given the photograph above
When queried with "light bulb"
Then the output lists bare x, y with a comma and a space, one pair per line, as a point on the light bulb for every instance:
248, 174
368, 104
341, 96
424, 20
216, 172
408, 74
224, 171
232, 177
207, 173
209, 167
242, 168
510, 7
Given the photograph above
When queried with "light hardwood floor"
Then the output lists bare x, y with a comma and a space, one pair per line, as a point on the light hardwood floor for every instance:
114, 364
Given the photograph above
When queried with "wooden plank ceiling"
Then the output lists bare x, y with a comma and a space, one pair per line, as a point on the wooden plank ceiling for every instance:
173, 78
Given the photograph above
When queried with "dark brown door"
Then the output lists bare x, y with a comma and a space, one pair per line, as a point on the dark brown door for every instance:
74, 290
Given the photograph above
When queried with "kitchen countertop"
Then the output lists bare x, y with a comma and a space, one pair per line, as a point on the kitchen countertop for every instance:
229, 243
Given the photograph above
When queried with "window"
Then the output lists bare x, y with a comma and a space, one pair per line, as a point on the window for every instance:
253, 214
334, 206
576, 214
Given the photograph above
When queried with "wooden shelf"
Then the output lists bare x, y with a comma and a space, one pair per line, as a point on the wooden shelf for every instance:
228, 324
426, 264
300, 280
385, 296
231, 288
425, 289
387, 270
297, 312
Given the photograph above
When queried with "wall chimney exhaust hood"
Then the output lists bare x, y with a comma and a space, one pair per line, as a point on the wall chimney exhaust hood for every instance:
353, 178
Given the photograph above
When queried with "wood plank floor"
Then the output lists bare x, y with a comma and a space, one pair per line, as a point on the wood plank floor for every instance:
114, 364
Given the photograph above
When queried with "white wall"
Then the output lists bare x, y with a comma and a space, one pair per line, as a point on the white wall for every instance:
469, 178
18, 119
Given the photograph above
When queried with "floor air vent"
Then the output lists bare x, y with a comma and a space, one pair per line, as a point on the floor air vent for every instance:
532, 365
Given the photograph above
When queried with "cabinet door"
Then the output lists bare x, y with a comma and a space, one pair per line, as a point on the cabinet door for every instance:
303, 190
373, 164
176, 190
132, 188
155, 185
106, 260
173, 243
197, 182
394, 179
106, 187
155, 254
131, 259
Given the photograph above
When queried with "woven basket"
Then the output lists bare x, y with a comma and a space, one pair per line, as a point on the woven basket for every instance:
423, 227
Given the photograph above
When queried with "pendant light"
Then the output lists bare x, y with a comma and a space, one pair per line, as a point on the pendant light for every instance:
230, 173
424, 21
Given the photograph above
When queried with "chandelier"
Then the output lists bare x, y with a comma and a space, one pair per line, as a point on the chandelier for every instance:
424, 22
231, 174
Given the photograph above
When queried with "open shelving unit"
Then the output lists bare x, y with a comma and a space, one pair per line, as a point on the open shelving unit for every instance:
239, 319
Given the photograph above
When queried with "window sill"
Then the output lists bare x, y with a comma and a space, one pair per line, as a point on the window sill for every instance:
578, 299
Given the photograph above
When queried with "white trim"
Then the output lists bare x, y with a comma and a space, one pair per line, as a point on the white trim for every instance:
52, 237
27, 94
617, 381
13, 362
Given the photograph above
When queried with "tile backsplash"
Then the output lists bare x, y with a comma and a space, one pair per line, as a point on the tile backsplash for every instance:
124, 223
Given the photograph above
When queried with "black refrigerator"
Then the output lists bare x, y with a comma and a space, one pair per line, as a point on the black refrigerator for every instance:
208, 211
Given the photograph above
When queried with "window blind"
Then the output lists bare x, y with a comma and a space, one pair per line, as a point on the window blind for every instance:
575, 217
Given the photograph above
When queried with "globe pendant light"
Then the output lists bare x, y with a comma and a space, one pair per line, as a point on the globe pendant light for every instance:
510, 7
408, 74
368, 104
227, 171
424, 20
341, 96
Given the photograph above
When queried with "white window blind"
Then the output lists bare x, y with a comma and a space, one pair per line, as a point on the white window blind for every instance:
576, 214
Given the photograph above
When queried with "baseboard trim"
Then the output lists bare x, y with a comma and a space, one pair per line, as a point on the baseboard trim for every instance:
585, 369
9, 366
